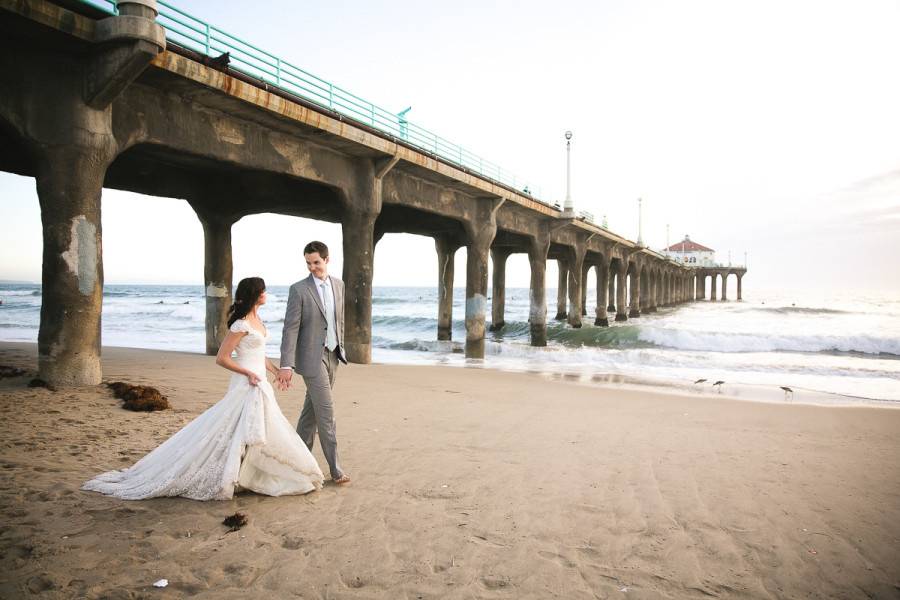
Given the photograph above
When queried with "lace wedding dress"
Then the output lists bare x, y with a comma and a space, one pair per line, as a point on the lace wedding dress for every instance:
243, 440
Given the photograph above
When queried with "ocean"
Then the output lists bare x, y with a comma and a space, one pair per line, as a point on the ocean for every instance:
827, 349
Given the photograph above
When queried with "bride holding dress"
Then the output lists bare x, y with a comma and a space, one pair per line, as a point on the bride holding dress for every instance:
243, 441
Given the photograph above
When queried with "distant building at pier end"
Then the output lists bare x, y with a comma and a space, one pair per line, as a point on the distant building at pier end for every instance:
691, 253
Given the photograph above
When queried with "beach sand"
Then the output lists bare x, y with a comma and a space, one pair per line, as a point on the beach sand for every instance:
467, 483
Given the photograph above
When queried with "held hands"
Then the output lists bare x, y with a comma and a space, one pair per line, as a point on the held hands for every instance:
283, 379
253, 378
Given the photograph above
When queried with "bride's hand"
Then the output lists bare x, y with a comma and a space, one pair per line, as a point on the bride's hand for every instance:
253, 378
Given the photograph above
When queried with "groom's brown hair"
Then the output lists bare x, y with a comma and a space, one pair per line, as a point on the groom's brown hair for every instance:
319, 247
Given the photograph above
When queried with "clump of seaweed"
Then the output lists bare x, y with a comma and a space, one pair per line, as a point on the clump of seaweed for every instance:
235, 521
6, 372
37, 382
139, 397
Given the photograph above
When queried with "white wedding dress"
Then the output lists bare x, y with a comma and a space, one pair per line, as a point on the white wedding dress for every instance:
243, 440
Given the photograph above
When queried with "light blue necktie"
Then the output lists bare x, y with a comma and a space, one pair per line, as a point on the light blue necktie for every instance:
331, 334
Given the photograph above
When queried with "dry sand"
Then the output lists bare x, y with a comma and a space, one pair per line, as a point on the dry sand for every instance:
467, 483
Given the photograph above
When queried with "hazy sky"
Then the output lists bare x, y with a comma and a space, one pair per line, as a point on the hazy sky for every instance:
768, 127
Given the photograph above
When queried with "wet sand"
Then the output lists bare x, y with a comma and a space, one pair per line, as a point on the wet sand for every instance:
467, 483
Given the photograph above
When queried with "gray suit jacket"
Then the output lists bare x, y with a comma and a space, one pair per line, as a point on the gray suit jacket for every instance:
304, 333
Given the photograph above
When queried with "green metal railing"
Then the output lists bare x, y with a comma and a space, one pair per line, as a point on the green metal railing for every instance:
194, 34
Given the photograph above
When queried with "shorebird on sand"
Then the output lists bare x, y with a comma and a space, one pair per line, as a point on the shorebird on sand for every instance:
699, 381
787, 391
719, 385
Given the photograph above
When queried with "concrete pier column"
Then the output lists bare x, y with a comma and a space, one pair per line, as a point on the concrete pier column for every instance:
712, 287
537, 314
446, 250
562, 289
576, 285
701, 287
498, 292
480, 229
585, 271
69, 183
739, 297
217, 271
611, 293
602, 317
358, 228
724, 287
650, 292
621, 288
635, 306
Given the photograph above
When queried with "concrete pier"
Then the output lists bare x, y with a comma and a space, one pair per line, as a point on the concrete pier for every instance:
621, 287
712, 287
480, 229
69, 183
576, 282
446, 248
602, 317
358, 229
724, 287
538, 247
498, 288
635, 305
562, 290
89, 100
217, 270
739, 277
585, 270
611, 293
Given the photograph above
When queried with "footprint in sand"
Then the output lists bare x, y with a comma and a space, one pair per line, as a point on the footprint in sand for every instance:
292, 542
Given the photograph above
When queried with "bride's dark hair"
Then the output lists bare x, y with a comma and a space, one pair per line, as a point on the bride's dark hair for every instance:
245, 298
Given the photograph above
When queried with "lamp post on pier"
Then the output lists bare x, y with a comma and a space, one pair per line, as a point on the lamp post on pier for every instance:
568, 206
640, 241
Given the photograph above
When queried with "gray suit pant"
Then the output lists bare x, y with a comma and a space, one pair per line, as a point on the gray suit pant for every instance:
318, 412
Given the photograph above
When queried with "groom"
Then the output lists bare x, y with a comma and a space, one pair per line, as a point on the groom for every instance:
312, 345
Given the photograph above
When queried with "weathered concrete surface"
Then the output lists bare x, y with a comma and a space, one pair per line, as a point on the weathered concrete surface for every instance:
621, 289
602, 318
562, 288
498, 288
739, 278
218, 271
446, 248
538, 248
712, 287
480, 230
576, 282
635, 305
611, 293
363, 204
69, 184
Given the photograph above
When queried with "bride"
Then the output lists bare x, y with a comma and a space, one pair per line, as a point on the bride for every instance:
243, 441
